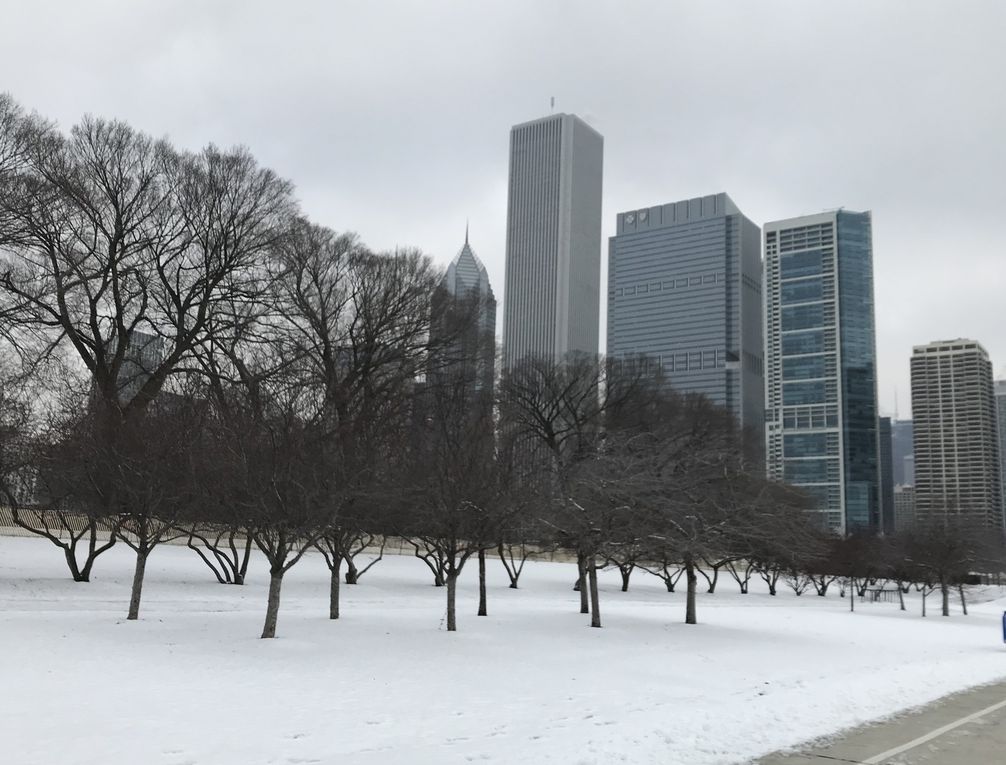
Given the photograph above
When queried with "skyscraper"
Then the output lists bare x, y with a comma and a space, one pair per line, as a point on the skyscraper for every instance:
684, 288
957, 465
901, 452
885, 455
463, 326
820, 364
553, 244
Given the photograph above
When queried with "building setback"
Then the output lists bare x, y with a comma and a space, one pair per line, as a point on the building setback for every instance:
820, 364
553, 244
957, 465
684, 289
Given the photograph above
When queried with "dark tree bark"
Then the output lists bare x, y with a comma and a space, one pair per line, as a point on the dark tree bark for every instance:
452, 585
595, 602
482, 583
945, 592
964, 604
514, 565
626, 572
229, 561
581, 567
272, 608
137, 590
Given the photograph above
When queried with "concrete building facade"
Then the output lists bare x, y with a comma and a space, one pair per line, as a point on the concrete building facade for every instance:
684, 289
553, 242
958, 471
820, 364
904, 508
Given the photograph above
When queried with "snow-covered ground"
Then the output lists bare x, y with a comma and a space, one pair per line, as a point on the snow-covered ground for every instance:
531, 683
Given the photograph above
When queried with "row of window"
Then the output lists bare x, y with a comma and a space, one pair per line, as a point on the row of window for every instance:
669, 284
692, 361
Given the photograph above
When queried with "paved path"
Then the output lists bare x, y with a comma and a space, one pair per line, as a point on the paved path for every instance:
967, 728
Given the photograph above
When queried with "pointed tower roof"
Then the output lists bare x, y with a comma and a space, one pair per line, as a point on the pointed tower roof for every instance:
466, 272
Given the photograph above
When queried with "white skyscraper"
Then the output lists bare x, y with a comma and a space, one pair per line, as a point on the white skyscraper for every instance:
553, 247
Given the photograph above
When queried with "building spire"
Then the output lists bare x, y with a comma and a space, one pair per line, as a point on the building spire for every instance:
466, 232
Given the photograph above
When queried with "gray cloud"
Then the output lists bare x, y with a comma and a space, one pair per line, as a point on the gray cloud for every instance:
393, 117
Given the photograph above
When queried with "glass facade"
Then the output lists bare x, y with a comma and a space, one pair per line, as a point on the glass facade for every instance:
859, 375
821, 415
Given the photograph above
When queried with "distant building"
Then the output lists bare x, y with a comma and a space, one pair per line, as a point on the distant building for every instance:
820, 364
901, 452
553, 240
143, 355
1000, 393
904, 508
463, 325
886, 476
958, 471
684, 289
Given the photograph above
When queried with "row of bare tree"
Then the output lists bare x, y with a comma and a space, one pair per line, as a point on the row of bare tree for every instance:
187, 355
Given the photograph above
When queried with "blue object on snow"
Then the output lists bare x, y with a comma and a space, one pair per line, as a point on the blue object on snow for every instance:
1004, 626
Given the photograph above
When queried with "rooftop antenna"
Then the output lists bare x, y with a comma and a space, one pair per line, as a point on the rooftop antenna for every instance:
466, 232
552, 106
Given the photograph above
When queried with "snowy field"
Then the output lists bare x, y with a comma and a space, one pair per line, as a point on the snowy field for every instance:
531, 683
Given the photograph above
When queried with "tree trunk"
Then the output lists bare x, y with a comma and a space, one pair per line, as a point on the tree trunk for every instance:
595, 606
333, 596
964, 605
901, 597
242, 572
134, 599
352, 575
924, 603
272, 609
690, 600
945, 591
452, 582
852, 597
71, 561
482, 583
581, 565
626, 572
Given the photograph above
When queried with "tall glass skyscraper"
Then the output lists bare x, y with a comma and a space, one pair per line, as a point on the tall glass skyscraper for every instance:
553, 240
820, 379
684, 289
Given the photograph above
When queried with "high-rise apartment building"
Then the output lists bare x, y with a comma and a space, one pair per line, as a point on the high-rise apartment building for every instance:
553, 242
886, 457
904, 508
1000, 393
820, 364
957, 467
684, 289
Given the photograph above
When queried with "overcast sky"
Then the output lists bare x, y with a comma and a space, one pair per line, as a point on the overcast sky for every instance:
392, 118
